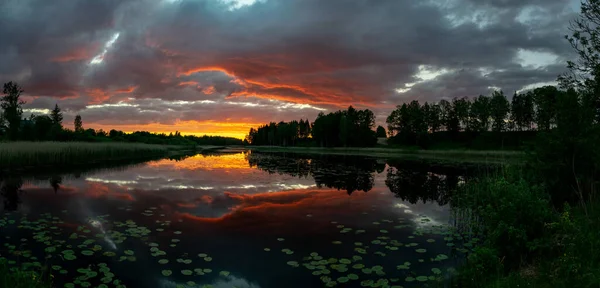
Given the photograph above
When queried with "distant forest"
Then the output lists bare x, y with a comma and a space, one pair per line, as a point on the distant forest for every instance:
484, 122
13, 127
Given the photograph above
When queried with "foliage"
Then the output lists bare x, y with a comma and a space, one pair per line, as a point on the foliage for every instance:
348, 128
381, 132
566, 157
21, 279
12, 108
17, 155
499, 109
511, 210
282, 133
56, 116
78, 124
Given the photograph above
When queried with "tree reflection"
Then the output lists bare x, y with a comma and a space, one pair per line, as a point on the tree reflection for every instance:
55, 182
332, 171
415, 181
10, 190
409, 180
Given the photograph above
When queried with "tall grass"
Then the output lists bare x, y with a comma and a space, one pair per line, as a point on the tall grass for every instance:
16, 278
23, 155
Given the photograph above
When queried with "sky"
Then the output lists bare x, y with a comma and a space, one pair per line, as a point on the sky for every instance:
219, 67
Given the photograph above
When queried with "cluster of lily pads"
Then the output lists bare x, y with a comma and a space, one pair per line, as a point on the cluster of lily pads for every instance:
353, 268
97, 242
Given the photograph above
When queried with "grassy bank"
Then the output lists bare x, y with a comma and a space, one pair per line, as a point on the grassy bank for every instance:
27, 155
449, 155
527, 243
16, 278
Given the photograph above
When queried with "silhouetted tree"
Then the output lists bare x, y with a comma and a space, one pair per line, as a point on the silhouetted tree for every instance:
480, 114
78, 124
435, 118
381, 132
545, 102
500, 107
57, 116
12, 108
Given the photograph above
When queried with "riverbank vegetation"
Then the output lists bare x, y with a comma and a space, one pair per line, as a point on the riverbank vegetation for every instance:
541, 223
23, 155
456, 156
14, 127
16, 278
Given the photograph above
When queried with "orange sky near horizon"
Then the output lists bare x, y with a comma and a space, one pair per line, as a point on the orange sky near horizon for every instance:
194, 128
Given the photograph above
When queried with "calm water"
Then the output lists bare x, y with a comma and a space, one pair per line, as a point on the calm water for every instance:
237, 220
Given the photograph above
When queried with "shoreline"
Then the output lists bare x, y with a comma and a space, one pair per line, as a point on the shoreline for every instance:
472, 156
21, 157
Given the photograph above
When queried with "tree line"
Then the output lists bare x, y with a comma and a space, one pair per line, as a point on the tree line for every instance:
14, 127
484, 119
343, 128
535, 110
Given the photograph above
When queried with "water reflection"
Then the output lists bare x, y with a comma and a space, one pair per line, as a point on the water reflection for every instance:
410, 181
339, 172
233, 206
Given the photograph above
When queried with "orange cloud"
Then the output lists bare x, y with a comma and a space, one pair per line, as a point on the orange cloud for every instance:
99, 96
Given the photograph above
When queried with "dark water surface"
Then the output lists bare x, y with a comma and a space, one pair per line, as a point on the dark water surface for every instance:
237, 220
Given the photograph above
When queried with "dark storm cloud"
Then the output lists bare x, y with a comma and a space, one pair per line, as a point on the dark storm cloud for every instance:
329, 54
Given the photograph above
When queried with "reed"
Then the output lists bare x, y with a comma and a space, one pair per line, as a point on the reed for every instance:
23, 155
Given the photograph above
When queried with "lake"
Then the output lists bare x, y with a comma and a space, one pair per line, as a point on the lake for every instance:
238, 219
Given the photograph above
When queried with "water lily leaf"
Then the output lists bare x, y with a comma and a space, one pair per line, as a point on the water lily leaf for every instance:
186, 272
343, 279
87, 252
167, 273
163, 261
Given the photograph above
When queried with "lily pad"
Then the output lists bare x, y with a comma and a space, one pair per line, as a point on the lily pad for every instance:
167, 273
186, 272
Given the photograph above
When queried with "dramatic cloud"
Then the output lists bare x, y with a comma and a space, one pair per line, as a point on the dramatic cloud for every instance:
219, 67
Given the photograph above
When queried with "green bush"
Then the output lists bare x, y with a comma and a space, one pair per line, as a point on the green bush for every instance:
15, 278
511, 212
